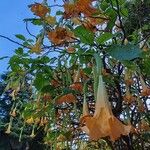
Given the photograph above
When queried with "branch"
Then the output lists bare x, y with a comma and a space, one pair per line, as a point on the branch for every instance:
119, 17
56, 5
2, 36
29, 30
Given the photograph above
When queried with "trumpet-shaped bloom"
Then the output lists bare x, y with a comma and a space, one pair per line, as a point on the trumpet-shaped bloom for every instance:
60, 35
103, 123
37, 47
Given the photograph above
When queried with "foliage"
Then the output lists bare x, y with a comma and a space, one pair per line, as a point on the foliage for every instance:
57, 77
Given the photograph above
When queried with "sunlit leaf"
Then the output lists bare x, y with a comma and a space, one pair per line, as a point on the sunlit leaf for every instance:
85, 35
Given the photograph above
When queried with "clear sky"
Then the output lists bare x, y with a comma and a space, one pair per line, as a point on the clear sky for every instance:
12, 13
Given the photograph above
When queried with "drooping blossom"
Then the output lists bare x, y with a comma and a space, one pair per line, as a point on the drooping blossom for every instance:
103, 123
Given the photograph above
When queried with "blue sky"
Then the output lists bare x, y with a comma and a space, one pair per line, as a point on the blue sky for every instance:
12, 13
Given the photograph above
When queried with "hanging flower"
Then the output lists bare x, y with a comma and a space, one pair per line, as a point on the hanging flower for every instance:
8, 129
13, 113
85, 7
30, 120
32, 134
39, 9
70, 10
37, 47
50, 20
103, 123
37, 120
60, 35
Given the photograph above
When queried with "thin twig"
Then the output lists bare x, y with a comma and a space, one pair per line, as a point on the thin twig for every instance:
56, 5
29, 30
119, 17
2, 36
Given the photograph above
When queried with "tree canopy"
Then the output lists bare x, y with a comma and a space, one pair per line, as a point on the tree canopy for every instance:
83, 81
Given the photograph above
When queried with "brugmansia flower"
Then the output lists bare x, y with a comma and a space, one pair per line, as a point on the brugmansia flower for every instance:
50, 20
39, 9
60, 35
37, 47
70, 10
103, 123
30, 120
85, 7
13, 113
8, 129
80, 6
32, 134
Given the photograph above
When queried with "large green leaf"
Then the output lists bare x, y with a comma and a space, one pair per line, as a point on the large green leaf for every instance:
85, 35
124, 52
103, 38
40, 81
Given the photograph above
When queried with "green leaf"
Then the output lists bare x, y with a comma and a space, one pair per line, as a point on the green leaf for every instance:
124, 11
19, 51
20, 36
103, 38
85, 35
37, 22
58, 13
124, 52
40, 81
112, 15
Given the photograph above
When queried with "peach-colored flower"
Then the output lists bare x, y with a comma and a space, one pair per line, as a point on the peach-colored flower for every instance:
37, 47
60, 35
70, 10
13, 113
39, 9
103, 123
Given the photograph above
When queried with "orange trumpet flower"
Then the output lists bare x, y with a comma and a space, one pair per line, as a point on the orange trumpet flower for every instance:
103, 123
